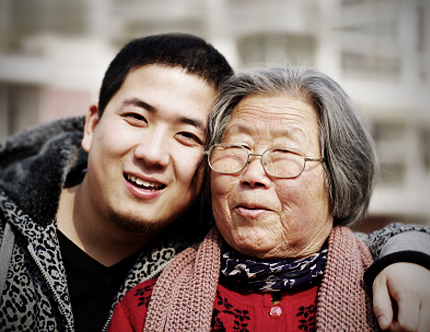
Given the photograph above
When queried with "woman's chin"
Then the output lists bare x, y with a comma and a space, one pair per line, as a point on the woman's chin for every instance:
259, 247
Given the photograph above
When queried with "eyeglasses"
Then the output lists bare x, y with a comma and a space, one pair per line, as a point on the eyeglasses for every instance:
283, 163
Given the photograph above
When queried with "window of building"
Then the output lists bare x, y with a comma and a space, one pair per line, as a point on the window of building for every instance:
18, 107
369, 65
389, 140
392, 174
425, 148
371, 40
388, 131
266, 49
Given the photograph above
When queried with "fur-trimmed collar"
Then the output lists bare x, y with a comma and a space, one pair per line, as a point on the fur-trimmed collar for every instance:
37, 163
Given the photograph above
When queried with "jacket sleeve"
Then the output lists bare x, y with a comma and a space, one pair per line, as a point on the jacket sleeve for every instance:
397, 243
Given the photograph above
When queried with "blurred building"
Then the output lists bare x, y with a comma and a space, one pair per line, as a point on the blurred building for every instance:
53, 56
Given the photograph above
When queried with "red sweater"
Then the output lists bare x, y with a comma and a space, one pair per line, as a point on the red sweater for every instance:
232, 311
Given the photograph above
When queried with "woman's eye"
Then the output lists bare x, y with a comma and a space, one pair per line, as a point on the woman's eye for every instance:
245, 146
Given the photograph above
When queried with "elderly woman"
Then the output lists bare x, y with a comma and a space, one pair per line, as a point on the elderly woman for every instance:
292, 168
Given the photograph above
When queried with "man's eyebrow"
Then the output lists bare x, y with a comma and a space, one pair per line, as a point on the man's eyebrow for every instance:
140, 103
193, 122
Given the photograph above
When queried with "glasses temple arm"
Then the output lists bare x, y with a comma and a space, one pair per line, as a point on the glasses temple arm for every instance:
314, 159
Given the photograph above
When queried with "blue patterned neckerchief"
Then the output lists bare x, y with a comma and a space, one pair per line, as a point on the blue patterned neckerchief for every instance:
250, 275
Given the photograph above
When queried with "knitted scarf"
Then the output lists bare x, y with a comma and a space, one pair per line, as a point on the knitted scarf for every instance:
183, 297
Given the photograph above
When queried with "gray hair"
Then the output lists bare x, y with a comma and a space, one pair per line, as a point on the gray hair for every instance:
350, 159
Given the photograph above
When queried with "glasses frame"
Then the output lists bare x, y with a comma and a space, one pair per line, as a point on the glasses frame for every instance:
306, 159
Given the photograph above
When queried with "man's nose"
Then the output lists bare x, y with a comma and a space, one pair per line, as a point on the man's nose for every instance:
153, 150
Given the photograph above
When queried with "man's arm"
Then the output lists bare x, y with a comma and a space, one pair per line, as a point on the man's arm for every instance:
396, 238
400, 276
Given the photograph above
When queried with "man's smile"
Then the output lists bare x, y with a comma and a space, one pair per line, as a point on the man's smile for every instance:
144, 184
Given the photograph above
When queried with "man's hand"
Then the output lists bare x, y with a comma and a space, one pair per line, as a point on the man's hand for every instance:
406, 288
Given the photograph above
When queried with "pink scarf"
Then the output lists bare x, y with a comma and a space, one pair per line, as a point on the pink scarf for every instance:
184, 294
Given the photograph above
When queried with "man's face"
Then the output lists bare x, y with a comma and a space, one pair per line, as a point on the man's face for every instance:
144, 150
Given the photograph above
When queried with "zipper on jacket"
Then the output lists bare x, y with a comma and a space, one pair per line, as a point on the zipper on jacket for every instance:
51, 286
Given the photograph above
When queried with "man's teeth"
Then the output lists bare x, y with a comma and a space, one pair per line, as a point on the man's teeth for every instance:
140, 182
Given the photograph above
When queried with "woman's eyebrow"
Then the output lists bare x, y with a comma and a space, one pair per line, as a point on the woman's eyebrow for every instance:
290, 132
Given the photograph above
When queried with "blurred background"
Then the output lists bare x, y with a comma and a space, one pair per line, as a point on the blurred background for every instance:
53, 54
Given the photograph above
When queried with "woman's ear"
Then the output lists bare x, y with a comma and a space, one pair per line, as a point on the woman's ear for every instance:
91, 121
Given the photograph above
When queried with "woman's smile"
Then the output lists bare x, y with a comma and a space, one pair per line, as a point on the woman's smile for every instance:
251, 212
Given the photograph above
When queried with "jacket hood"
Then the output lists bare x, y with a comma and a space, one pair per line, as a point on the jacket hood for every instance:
37, 163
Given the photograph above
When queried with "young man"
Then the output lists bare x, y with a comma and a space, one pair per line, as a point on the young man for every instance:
77, 234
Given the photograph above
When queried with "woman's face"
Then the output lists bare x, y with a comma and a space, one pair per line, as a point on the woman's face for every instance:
268, 217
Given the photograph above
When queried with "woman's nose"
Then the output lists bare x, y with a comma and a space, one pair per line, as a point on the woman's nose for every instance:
153, 151
254, 174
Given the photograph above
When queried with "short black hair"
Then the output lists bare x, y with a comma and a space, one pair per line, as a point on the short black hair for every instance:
189, 52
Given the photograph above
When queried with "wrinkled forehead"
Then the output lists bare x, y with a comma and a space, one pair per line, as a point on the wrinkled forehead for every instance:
281, 115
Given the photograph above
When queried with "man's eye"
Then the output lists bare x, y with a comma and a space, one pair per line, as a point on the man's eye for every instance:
136, 117
190, 137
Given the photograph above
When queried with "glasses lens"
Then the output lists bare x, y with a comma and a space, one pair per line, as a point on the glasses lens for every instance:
228, 158
283, 162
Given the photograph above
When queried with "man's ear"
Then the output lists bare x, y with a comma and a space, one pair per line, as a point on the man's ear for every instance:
91, 121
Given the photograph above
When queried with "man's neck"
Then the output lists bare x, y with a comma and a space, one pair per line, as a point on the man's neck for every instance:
91, 231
